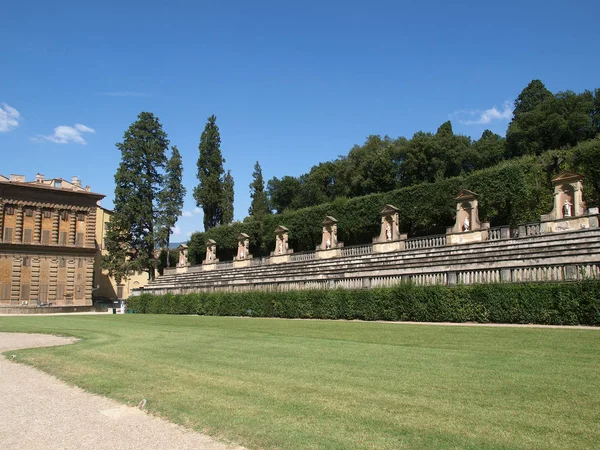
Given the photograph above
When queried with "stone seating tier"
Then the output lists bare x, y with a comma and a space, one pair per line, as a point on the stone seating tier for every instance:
552, 255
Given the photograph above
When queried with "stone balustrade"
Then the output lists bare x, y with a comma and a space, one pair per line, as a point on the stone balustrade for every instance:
426, 242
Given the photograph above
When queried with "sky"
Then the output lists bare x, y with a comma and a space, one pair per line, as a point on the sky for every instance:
292, 83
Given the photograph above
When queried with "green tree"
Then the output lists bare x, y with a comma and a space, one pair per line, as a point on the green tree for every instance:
210, 190
283, 193
170, 199
259, 207
131, 232
227, 199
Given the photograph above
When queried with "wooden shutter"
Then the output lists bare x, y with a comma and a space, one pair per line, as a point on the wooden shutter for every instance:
119, 292
5, 294
27, 232
25, 290
8, 234
43, 297
60, 291
62, 262
78, 292
46, 237
79, 240
63, 238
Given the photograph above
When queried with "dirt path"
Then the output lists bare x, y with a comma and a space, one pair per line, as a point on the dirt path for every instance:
37, 411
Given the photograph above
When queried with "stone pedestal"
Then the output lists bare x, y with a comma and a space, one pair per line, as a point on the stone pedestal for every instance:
278, 259
282, 251
389, 239
328, 253
243, 253
211, 260
568, 212
237, 263
329, 240
467, 227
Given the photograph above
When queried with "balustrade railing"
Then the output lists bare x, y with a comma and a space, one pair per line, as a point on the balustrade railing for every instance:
426, 242
357, 250
302, 256
259, 261
496, 233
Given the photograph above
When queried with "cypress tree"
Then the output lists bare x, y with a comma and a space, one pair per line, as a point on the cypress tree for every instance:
170, 199
259, 207
210, 190
227, 200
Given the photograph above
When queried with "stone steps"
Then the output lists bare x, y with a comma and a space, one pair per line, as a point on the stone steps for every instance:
581, 247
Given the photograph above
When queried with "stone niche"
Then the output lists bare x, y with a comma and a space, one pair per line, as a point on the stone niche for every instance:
183, 264
330, 247
389, 239
282, 251
211, 260
467, 227
243, 254
569, 212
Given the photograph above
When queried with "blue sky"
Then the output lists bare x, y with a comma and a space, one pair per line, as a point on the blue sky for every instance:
291, 83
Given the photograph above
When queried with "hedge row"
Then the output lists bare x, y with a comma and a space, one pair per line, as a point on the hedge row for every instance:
575, 303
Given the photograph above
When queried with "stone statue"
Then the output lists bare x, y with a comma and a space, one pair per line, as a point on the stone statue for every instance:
328, 244
388, 232
280, 246
242, 255
567, 208
466, 224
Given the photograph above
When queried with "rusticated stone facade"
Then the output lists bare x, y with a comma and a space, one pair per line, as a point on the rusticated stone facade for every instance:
47, 242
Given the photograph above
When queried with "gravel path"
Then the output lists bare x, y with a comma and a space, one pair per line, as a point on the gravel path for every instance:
37, 411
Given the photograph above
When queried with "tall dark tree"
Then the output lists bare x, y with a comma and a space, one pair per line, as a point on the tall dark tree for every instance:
131, 233
259, 207
170, 200
530, 98
209, 192
227, 198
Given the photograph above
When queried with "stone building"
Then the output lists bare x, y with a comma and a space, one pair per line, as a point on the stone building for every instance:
48, 241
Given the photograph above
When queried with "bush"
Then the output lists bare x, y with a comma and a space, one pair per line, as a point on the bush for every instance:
575, 303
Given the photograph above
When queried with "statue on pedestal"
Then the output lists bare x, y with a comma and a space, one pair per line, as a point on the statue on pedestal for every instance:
567, 211
388, 232
466, 224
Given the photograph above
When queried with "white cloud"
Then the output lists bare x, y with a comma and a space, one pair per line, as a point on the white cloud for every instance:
9, 118
176, 231
479, 117
64, 134
195, 212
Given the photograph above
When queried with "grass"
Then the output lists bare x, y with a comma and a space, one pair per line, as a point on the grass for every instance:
267, 383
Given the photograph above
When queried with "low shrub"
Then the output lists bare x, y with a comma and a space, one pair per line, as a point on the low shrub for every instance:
576, 303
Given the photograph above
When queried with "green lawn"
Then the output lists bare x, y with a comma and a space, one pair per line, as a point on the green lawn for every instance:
292, 384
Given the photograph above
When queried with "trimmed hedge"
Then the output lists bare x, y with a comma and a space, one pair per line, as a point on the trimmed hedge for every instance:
576, 303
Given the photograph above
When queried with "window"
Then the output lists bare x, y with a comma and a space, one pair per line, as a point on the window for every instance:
27, 235
119, 292
46, 237
47, 214
29, 212
26, 261
78, 292
79, 240
5, 291
62, 262
81, 217
9, 210
63, 238
64, 215
57, 184
43, 296
60, 291
80, 263
25, 292
8, 234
